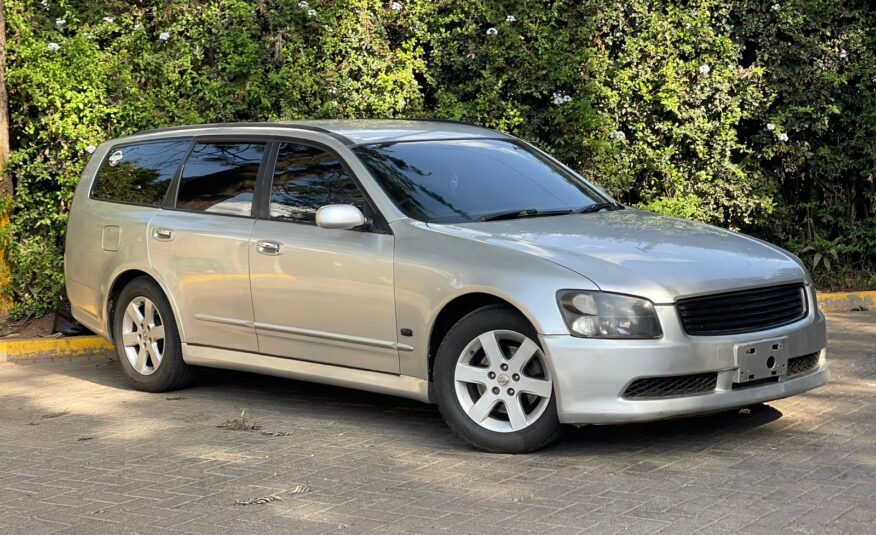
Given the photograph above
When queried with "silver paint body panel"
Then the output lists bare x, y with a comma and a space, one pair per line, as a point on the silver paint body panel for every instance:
330, 305
206, 267
325, 281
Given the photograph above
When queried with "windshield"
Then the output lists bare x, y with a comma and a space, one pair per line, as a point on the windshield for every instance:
464, 180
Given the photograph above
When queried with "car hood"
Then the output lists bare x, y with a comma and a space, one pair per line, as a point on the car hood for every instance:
640, 253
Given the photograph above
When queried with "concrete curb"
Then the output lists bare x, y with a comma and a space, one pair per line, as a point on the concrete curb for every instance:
34, 348
846, 301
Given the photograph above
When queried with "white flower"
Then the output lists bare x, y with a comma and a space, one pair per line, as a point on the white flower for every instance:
311, 12
45, 3
771, 127
163, 36
704, 69
873, 79
303, 5
510, 18
395, 6
558, 99
783, 137
54, 47
60, 22
110, 20
776, 7
137, 27
327, 28
617, 135
90, 149
333, 90
492, 31
843, 53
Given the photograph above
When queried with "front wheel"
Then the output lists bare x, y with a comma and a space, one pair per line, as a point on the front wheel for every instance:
493, 384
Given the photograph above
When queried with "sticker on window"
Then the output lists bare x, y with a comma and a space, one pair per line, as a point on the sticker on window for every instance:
115, 158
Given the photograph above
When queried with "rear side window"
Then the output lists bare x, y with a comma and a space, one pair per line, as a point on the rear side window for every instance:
220, 178
139, 174
307, 178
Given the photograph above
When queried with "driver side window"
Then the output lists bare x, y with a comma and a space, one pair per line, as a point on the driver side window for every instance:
307, 178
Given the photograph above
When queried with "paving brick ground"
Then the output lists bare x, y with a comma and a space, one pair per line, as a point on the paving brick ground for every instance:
82, 453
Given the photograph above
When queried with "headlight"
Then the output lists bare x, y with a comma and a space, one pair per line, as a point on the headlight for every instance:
606, 315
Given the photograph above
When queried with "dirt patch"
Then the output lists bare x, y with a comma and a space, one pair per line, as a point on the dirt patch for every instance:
241, 423
35, 328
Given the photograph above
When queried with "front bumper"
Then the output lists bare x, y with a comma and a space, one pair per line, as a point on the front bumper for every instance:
590, 376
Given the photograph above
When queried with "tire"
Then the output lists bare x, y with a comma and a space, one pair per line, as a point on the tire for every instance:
466, 379
147, 340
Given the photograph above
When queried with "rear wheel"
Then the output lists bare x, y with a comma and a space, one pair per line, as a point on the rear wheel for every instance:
493, 384
147, 340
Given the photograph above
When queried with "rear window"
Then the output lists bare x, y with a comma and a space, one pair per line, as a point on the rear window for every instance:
220, 178
139, 174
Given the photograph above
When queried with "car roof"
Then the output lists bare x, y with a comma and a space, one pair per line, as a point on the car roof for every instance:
359, 131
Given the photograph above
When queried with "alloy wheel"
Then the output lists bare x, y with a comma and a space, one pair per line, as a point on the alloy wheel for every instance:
143, 335
502, 381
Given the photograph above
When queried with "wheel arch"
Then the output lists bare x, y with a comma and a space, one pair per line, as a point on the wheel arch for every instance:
119, 282
457, 308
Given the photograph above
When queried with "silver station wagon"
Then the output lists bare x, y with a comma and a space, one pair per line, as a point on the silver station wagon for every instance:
438, 261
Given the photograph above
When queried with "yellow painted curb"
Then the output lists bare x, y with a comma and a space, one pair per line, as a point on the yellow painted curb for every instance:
75, 346
846, 301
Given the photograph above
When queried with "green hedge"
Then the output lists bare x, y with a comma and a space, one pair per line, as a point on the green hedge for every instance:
758, 116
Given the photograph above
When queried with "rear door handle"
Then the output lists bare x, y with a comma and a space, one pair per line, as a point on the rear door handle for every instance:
268, 247
162, 234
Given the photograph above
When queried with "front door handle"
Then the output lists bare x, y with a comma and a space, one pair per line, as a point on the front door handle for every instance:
162, 234
268, 247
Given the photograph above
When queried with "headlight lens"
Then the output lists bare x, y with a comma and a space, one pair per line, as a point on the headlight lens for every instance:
606, 315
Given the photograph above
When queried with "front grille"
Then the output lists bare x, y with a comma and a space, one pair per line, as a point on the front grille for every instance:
744, 311
798, 365
677, 385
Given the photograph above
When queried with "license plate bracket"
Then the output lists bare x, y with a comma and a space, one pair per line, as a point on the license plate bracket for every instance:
761, 360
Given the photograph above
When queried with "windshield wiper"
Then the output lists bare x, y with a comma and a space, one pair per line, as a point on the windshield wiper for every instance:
519, 214
599, 206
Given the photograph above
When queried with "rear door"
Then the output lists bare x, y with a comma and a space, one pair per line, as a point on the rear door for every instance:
199, 244
321, 295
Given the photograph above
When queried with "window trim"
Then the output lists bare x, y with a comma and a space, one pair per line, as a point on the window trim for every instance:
118, 146
379, 224
173, 190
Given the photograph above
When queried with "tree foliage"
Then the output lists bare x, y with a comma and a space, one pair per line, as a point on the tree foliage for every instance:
758, 116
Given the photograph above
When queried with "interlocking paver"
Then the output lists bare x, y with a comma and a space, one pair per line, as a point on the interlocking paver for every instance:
83, 453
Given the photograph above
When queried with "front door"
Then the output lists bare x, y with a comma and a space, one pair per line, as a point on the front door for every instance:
318, 294
200, 245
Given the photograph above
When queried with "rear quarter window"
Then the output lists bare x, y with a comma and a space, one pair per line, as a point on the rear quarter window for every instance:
140, 173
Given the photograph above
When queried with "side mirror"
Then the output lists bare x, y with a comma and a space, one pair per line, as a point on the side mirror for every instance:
340, 216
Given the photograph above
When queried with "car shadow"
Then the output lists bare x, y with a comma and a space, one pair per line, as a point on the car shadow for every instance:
696, 430
423, 422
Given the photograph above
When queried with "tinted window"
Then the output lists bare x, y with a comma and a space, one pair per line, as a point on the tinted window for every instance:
139, 174
220, 178
464, 180
306, 178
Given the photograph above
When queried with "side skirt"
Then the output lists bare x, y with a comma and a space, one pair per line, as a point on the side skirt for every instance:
382, 383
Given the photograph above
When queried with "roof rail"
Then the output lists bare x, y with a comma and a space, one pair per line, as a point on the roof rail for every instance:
250, 124
428, 119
